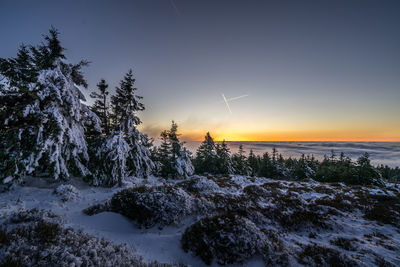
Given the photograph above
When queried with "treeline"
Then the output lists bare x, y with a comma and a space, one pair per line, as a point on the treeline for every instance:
215, 159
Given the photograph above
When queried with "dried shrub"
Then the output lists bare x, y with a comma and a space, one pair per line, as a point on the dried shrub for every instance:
345, 243
323, 256
228, 238
163, 205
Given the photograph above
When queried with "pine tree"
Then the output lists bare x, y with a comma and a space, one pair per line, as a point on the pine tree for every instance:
240, 162
253, 163
100, 106
173, 157
125, 152
173, 137
274, 155
125, 104
42, 118
267, 167
164, 155
366, 174
206, 156
300, 169
224, 161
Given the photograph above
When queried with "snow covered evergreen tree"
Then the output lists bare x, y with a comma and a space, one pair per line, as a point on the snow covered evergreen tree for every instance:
181, 162
267, 168
224, 160
240, 162
253, 163
42, 119
100, 106
174, 158
206, 157
125, 104
125, 151
164, 155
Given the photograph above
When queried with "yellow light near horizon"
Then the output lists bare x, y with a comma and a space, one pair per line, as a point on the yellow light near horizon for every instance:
295, 136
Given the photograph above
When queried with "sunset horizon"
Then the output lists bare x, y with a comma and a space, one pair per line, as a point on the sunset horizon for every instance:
329, 136
308, 71
179, 133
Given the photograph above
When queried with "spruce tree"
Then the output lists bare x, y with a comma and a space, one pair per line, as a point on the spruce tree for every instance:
224, 161
164, 154
181, 160
274, 155
42, 119
267, 167
301, 169
173, 137
366, 174
174, 158
206, 156
125, 151
240, 162
100, 106
253, 163
125, 104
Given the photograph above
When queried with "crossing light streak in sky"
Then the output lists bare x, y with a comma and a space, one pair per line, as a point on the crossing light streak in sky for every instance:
231, 99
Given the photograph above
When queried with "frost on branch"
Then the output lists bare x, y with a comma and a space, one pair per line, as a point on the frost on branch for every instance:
118, 156
125, 151
110, 161
163, 205
37, 238
228, 238
43, 120
172, 158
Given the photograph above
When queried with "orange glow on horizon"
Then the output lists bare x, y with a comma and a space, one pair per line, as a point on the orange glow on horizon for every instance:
294, 136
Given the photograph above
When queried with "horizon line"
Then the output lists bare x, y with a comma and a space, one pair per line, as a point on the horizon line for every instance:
332, 141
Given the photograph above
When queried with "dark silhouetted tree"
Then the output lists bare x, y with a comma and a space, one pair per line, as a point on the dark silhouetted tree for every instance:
100, 106
224, 160
240, 163
206, 157
253, 163
173, 157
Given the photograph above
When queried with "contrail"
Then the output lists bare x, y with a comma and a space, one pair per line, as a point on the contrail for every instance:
234, 98
226, 102
175, 7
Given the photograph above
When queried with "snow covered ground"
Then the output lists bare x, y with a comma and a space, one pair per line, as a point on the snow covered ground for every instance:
364, 241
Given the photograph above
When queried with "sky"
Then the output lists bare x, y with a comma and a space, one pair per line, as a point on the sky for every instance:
313, 70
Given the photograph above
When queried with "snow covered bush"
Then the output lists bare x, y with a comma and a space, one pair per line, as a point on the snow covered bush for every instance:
98, 208
42, 118
228, 238
163, 205
315, 255
199, 184
43, 242
67, 192
28, 216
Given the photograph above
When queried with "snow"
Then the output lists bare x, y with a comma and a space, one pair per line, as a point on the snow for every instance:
67, 192
7, 180
164, 245
114, 154
153, 244
58, 128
